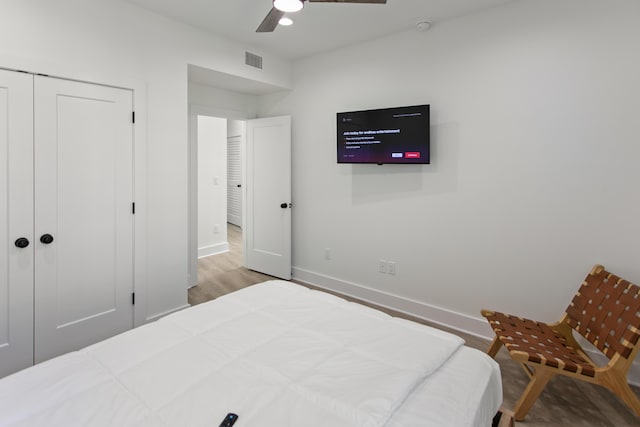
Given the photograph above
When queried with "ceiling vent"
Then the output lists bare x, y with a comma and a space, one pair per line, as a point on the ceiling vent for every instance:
253, 60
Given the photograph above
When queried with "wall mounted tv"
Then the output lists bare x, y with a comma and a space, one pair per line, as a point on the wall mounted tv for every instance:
386, 135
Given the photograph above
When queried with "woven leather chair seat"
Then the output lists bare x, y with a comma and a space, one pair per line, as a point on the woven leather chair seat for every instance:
536, 342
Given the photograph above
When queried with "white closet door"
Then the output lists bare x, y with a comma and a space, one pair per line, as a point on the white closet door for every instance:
84, 194
16, 221
234, 181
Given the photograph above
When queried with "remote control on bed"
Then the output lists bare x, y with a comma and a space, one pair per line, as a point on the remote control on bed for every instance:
229, 420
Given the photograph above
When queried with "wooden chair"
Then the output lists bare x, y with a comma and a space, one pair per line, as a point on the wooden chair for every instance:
605, 311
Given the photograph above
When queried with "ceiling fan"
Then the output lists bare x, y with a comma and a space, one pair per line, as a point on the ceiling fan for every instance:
280, 7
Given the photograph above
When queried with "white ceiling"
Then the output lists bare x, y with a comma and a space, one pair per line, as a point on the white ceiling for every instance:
318, 27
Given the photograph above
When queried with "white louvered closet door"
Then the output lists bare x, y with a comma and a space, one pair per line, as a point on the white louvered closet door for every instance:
234, 180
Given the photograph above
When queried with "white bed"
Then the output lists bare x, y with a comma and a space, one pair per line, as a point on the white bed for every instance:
276, 354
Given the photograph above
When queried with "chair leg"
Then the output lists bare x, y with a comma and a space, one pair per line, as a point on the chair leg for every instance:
630, 398
527, 370
495, 346
531, 393
619, 386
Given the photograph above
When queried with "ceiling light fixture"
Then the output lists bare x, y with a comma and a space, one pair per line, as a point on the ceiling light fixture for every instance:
288, 5
285, 21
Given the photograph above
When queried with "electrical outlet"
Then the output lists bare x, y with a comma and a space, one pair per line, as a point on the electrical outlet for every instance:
382, 266
391, 268
327, 254
216, 228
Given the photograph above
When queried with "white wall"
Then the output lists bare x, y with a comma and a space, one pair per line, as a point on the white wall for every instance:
534, 170
220, 102
212, 186
111, 42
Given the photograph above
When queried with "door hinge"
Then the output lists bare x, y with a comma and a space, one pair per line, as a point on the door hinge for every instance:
133, 117
133, 208
133, 298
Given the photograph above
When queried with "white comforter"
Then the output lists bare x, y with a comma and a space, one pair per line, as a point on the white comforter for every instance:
276, 354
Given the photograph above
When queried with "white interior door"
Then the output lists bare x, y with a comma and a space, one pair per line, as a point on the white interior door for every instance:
84, 194
267, 232
16, 221
234, 180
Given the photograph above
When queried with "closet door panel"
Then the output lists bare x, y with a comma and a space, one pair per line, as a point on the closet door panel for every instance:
234, 180
16, 221
84, 195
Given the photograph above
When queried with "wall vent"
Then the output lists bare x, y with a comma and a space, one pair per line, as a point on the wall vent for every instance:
253, 60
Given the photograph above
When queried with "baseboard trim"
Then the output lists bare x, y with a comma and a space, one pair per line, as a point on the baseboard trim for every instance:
216, 249
475, 326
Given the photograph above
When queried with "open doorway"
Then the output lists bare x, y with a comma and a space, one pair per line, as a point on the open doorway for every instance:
219, 143
219, 264
232, 98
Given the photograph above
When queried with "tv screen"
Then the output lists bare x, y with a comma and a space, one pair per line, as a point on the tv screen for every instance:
386, 135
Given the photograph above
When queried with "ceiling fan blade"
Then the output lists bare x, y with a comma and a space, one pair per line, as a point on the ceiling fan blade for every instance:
270, 21
349, 1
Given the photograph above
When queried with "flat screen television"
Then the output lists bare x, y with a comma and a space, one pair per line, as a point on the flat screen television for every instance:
385, 135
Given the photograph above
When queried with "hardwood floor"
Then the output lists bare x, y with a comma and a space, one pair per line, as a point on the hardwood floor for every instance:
563, 403
224, 273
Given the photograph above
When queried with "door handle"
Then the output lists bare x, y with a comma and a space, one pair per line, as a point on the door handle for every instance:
239, 185
285, 205
22, 242
46, 239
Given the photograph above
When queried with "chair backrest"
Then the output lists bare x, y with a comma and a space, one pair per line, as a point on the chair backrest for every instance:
606, 311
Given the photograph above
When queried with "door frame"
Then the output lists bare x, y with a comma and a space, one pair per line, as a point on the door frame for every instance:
196, 110
139, 91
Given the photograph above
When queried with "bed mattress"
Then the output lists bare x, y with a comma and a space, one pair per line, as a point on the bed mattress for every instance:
276, 354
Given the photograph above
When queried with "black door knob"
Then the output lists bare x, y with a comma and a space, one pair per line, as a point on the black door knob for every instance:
46, 238
239, 185
22, 242
283, 205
